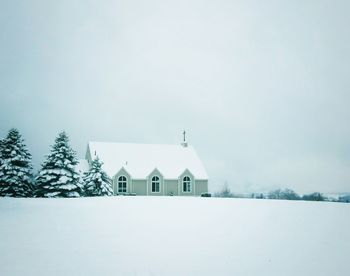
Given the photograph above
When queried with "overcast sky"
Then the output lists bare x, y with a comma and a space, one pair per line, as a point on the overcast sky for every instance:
262, 87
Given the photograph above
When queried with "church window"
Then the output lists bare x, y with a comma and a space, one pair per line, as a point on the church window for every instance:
186, 184
122, 182
155, 184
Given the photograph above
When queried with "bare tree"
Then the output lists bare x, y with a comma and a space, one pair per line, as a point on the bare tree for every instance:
225, 191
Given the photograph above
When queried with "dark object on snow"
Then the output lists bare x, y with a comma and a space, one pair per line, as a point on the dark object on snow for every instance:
206, 195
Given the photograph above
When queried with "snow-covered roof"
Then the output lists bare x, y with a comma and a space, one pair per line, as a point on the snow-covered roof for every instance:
140, 160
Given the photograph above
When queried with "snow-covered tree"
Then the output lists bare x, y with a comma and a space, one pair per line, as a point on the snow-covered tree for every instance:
97, 182
1, 144
15, 166
58, 176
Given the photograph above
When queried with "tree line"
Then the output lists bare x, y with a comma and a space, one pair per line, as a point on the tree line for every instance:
284, 194
58, 175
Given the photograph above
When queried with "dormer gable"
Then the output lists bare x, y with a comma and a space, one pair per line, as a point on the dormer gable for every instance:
155, 172
124, 172
186, 172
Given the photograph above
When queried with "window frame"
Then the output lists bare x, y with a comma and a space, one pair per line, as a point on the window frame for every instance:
186, 180
122, 181
155, 180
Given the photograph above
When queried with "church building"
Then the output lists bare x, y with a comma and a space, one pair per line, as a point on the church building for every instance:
151, 169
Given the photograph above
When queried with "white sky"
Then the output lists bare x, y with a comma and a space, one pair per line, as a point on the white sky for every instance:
262, 87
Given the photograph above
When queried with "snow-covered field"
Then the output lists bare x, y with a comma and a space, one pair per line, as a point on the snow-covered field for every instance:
173, 236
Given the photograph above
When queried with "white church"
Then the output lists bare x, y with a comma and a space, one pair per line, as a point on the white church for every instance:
150, 169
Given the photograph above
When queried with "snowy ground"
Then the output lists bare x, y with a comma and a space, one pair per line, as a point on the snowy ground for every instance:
173, 236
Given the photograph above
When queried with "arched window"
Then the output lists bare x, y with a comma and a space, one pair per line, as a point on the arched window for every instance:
122, 183
186, 184
155, 184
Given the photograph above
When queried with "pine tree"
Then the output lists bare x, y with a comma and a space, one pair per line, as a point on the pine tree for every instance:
16, 177
58, 176
1, 145
97, 182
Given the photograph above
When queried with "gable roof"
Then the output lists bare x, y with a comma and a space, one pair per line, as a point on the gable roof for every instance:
82, 166
139, 160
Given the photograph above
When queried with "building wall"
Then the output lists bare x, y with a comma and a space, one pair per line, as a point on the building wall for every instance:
171, 186
167, 186
182, 193
115, 181
161, 184
181, 190
201, 187
139, 187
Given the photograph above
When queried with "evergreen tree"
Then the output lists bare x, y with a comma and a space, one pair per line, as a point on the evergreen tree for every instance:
58, 176
1, 145
97, 182
15, 166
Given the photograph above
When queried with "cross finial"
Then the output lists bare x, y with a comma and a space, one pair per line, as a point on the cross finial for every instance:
184, 143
